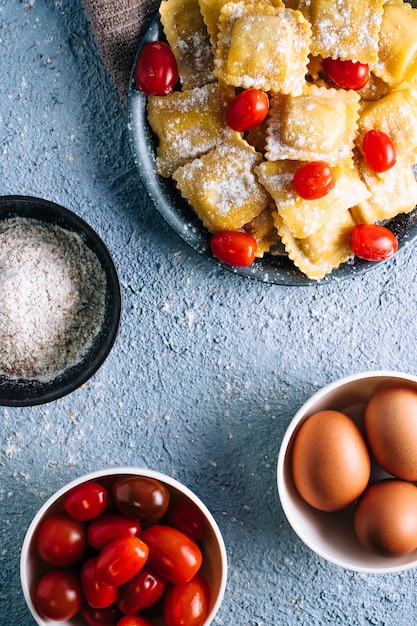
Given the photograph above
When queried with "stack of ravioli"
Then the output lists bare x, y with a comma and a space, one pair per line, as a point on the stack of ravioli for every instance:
243, 181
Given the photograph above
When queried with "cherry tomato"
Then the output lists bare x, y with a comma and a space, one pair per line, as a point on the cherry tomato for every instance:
314, 180
155, 611
61, 541
100, 617
156, 70
347, 74
188, 604
141, 592
58, 595
373, 242
86, 501
135, 620
104, 529
247, 109
379, 151
120, 560
185, 516
98, 595
141, 497
234, 247
172, 555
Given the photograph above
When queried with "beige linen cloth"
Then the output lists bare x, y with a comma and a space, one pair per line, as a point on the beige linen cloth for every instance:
118, 27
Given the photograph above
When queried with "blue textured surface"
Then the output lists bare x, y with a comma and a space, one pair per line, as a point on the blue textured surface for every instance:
208, 368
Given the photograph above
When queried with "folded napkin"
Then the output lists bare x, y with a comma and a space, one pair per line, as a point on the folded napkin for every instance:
118, 27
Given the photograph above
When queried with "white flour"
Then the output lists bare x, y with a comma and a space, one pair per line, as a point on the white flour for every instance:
52, 292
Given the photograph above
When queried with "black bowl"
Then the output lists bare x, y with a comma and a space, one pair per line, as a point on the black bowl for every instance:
31, 391
278, 269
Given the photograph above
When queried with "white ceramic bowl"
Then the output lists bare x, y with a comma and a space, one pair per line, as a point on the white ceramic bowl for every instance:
332, 535
214, 568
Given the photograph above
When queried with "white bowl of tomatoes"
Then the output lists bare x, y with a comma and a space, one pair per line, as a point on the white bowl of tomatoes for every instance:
123, 547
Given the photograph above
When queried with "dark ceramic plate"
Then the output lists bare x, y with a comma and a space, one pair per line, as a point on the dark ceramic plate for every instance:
30, 392
182, 218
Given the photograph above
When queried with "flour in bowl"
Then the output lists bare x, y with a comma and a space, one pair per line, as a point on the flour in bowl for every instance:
52, 295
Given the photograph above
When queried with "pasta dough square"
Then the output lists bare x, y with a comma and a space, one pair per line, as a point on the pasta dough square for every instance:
305, 217
262, 228
262, 46
188, 124
222, 186
397, 53
210, 10
396, 115
189, 40
322, 252
344, 29
391, 192
319, 124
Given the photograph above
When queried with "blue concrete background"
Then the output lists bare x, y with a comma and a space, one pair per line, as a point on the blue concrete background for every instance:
208, 369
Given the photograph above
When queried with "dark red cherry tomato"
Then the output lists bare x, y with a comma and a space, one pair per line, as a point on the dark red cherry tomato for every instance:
347, 74
185, 516
98, 595
61, 541
86, 501
156, 70
141, 592
58, 595
188, 604
373, 242
100, 617
378, 151
120, 560
141, 497
247, 109
172, 555
314, 180
106, 528
234, 247
135, 620
156, 611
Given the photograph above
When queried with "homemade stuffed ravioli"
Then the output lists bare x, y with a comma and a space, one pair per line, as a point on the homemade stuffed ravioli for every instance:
243, 180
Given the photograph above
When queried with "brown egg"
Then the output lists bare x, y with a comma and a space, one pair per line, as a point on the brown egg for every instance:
330, 461
391, 430
385, 518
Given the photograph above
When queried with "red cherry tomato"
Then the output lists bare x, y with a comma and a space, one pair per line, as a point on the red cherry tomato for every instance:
120, 560
98, 595
314, 180
58, 595
86, 501
185, 516
61, 541
100, 617
156, 70
247, 109
172, 555
188, 604
141, 497
347, 74
102, 530
155, 611
373, 242
234, 247
378, 151
135, 620
141, 592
